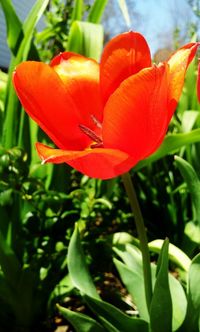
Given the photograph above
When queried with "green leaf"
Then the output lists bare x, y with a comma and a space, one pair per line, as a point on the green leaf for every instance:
28, 28
134, 282
86, 38
80, 322
120, 239
192, 231
189, 119
179, 302
193, 311
132, 277
193, 184
131, 274
12, 115
77, 10
97, 11
175, 254
170, 145
14, 26
115, 316
161, 305
124, 9
77, 266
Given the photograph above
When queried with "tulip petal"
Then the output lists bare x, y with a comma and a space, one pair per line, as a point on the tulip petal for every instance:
136, 114
43, 95
81, 78
97, 163
178, 64
122, 57
198, 82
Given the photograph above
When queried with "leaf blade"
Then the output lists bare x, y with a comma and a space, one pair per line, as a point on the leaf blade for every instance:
161, 305
76, 263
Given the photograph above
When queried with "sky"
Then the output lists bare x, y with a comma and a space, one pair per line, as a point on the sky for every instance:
155, 20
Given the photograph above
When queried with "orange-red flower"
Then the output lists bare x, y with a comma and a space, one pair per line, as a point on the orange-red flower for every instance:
198, 82
105, 117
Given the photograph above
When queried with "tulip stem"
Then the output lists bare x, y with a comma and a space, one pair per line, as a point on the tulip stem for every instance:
130, 190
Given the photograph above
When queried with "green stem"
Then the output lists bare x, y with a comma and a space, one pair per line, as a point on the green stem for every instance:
141, 234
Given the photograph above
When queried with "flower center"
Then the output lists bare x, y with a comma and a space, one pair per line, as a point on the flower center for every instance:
91, 134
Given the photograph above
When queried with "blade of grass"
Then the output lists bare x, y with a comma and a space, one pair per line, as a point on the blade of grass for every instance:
12, 115
96, 11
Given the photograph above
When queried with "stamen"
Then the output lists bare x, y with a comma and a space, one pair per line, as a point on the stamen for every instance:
91, 134
96, 121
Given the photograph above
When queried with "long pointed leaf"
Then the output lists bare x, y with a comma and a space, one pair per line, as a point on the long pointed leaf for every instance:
78, 269
12, 116
124, 9
77, 10
14, 26
97, 11
134, 282
161, 305
80, 322
132, 277
115, 316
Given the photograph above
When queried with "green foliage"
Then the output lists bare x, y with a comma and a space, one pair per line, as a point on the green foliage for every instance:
96, 11
76, 263
22, 37
131, 273
86, 38
111, 318
192, 318
81, 323
161, 295
66, 29
29, 255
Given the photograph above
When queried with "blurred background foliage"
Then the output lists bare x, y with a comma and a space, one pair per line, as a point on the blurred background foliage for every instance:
39, 205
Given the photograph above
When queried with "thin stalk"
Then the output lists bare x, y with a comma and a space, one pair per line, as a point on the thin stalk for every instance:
141, 234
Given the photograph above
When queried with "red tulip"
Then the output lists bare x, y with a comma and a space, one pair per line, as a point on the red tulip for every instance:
198, 82
105, 117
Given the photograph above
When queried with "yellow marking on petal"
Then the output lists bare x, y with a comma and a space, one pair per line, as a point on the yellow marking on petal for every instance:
76, 67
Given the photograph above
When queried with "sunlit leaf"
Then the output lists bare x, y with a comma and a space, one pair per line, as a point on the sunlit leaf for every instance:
96, 11
124, 9
86, 38
189, 119
175, 254
77, 10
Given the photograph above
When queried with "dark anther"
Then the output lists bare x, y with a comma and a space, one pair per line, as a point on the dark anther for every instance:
91, 134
